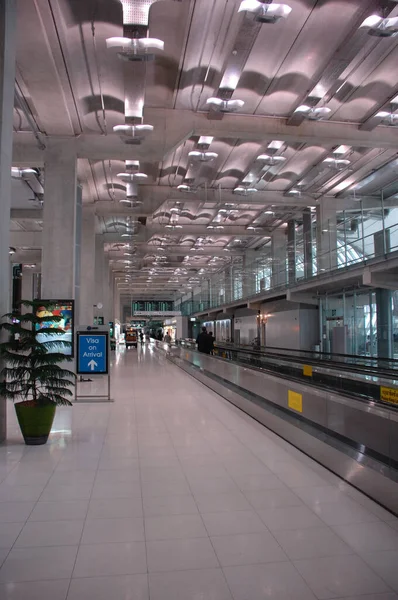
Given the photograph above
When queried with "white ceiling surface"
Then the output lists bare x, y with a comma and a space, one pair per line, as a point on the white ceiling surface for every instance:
71, 86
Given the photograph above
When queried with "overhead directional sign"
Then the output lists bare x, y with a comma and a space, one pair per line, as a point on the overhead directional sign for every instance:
92, 353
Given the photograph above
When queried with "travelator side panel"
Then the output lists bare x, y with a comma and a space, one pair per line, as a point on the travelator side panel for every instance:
363, 423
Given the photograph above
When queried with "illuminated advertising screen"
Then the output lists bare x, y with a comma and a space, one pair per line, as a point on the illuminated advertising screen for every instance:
65, 310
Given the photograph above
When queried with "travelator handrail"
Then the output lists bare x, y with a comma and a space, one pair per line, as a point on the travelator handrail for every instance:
313, 360
361, 383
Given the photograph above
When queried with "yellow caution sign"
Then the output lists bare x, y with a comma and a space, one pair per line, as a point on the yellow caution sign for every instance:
295, 401
389, 395
307, 370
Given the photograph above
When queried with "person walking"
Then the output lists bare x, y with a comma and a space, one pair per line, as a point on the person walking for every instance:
204, 342
167, 338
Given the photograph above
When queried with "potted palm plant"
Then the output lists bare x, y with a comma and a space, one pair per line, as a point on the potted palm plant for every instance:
32, 371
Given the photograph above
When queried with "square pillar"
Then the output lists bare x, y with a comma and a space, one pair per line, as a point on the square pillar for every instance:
326, 236
278, 249
291, 251
61, 240
87, 268
307, 241
7, 84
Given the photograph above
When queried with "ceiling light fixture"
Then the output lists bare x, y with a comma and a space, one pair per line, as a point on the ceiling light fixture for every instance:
265, 13
225, 106
11, 250
313, 113
17, 173
134, 49
270, 160
244, 191
186, 188
338, 164
197, 156
132, 177
133, 134
388, 118
380, 27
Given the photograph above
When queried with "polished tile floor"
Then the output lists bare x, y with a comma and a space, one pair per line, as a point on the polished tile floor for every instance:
172, 493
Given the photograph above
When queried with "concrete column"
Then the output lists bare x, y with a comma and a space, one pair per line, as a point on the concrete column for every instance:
307, 241
278, 248
384, 323
116, 302
291, 251
326, 236
107, 291
7, 78
102, 282
59, 264
87, 268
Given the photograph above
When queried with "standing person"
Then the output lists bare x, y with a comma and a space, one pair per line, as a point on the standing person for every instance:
203, 341
211, 341
141, 337
167, 338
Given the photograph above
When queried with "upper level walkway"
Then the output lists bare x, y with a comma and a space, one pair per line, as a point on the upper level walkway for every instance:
172, 493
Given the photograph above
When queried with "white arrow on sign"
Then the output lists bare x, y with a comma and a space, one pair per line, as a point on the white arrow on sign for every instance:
92, 364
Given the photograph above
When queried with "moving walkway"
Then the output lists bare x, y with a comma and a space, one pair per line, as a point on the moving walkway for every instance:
342, 413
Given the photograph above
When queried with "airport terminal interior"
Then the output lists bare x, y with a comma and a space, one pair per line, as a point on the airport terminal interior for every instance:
199, 208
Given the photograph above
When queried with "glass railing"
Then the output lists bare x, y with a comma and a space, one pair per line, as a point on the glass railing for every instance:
244, 283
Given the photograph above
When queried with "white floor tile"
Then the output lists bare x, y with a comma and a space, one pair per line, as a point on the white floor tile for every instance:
384, 564
247, 549
9, 533
169, 505
102, 531
35, 590
50, 533
313, 542
110, 559
180, 555
339, 576
344, 512
233, 522
14, 512
38, 564
64, 510
368, 537
278, 498
168, 527
123, 587
206, 584
292, 517
209, 503
115, 508
274, 581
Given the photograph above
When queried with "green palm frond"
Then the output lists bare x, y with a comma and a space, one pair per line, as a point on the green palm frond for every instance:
32, 367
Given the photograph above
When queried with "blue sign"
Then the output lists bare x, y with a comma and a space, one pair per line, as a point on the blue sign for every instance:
92, 353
